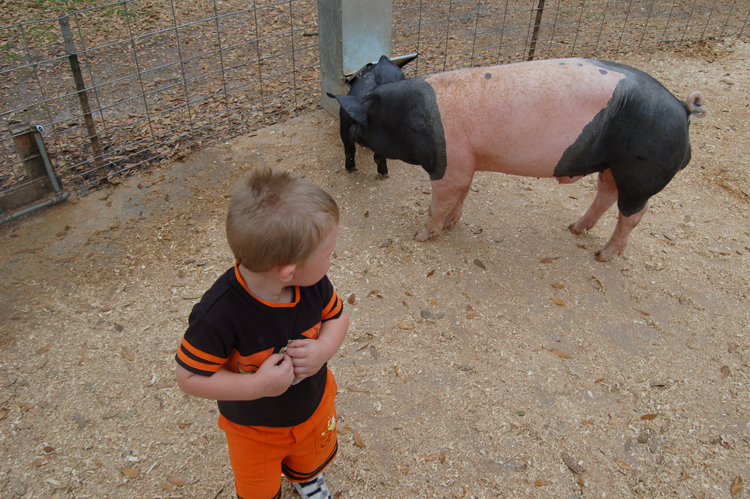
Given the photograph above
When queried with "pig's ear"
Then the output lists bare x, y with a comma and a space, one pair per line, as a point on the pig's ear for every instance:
354, 107
387, 72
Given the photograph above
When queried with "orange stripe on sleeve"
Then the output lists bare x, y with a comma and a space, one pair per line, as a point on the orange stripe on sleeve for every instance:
203, 355
196, 364
334, 303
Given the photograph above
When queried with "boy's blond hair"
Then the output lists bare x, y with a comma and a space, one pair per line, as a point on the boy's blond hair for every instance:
275, 218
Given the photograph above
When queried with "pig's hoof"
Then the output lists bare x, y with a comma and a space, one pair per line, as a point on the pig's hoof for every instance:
574, 229
421, 235
383, 176
607, 253
424, 234
352, 169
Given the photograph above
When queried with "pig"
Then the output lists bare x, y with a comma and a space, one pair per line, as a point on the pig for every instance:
560, 118
380, 73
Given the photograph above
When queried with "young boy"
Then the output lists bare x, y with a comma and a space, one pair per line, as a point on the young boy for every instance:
259, 339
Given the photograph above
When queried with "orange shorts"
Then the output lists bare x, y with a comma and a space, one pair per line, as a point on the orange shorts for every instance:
260, 454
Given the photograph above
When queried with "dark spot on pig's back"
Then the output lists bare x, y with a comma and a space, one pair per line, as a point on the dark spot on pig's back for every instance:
487, 76
603, 71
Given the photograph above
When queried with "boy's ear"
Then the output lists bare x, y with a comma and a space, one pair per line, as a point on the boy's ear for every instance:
286, 272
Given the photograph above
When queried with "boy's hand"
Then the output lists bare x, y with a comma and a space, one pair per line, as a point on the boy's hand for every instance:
276, 374
308, 356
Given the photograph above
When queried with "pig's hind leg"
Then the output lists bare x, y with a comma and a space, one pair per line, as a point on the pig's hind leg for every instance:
606, 196
619, 240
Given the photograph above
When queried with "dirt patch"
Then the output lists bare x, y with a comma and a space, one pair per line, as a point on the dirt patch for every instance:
487, 363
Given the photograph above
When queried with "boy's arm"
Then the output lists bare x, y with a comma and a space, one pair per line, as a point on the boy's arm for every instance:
272, 379
309, 356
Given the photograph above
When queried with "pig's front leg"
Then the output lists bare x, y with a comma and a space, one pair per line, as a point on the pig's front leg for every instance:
382, 163
606, 196
445, 208
619, 240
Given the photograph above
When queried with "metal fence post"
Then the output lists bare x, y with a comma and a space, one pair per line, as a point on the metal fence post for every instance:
83, 97
351, 34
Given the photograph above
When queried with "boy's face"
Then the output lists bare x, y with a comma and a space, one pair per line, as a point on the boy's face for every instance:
317, 265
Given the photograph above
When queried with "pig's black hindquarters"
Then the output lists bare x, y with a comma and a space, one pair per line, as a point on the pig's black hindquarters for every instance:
642, 135
381, 73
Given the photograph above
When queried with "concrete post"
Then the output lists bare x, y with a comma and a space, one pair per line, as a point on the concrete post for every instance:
351, 34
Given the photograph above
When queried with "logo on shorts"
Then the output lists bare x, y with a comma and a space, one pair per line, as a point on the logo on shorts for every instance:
329, 433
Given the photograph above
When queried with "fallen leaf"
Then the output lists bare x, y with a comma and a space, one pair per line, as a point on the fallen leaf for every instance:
119, 327
409, 293
470, 315
737, 485
48, 449
346, 429
602, 287
184, 425
560, 354
98, 463
541, 483
571, 463
557, 302
352, 299
45, 348
128, 354
642, 312
550, 259
725, 372
479, 264
358, 439
649, 417
622, 464
404, 325
367, 213
129, 472
558, 286
398, 373
430, 273
599, 380
684, 476
442, 457
197, 441
358, 389
175, 481
426, 314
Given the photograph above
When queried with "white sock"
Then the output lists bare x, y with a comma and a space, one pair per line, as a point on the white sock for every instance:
314, 489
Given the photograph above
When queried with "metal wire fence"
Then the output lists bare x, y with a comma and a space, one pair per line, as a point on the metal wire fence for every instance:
130, 84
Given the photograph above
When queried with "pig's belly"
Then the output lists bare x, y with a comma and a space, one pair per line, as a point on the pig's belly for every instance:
519, 118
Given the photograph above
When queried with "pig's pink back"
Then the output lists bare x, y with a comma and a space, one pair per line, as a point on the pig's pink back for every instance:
521, 119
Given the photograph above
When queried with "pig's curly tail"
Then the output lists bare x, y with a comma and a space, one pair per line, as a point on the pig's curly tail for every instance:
695, 106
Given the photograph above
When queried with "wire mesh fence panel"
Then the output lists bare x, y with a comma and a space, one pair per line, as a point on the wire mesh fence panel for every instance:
160, 80
452, 34
133, 83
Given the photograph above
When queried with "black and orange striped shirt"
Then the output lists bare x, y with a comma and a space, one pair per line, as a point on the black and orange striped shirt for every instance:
231, 327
